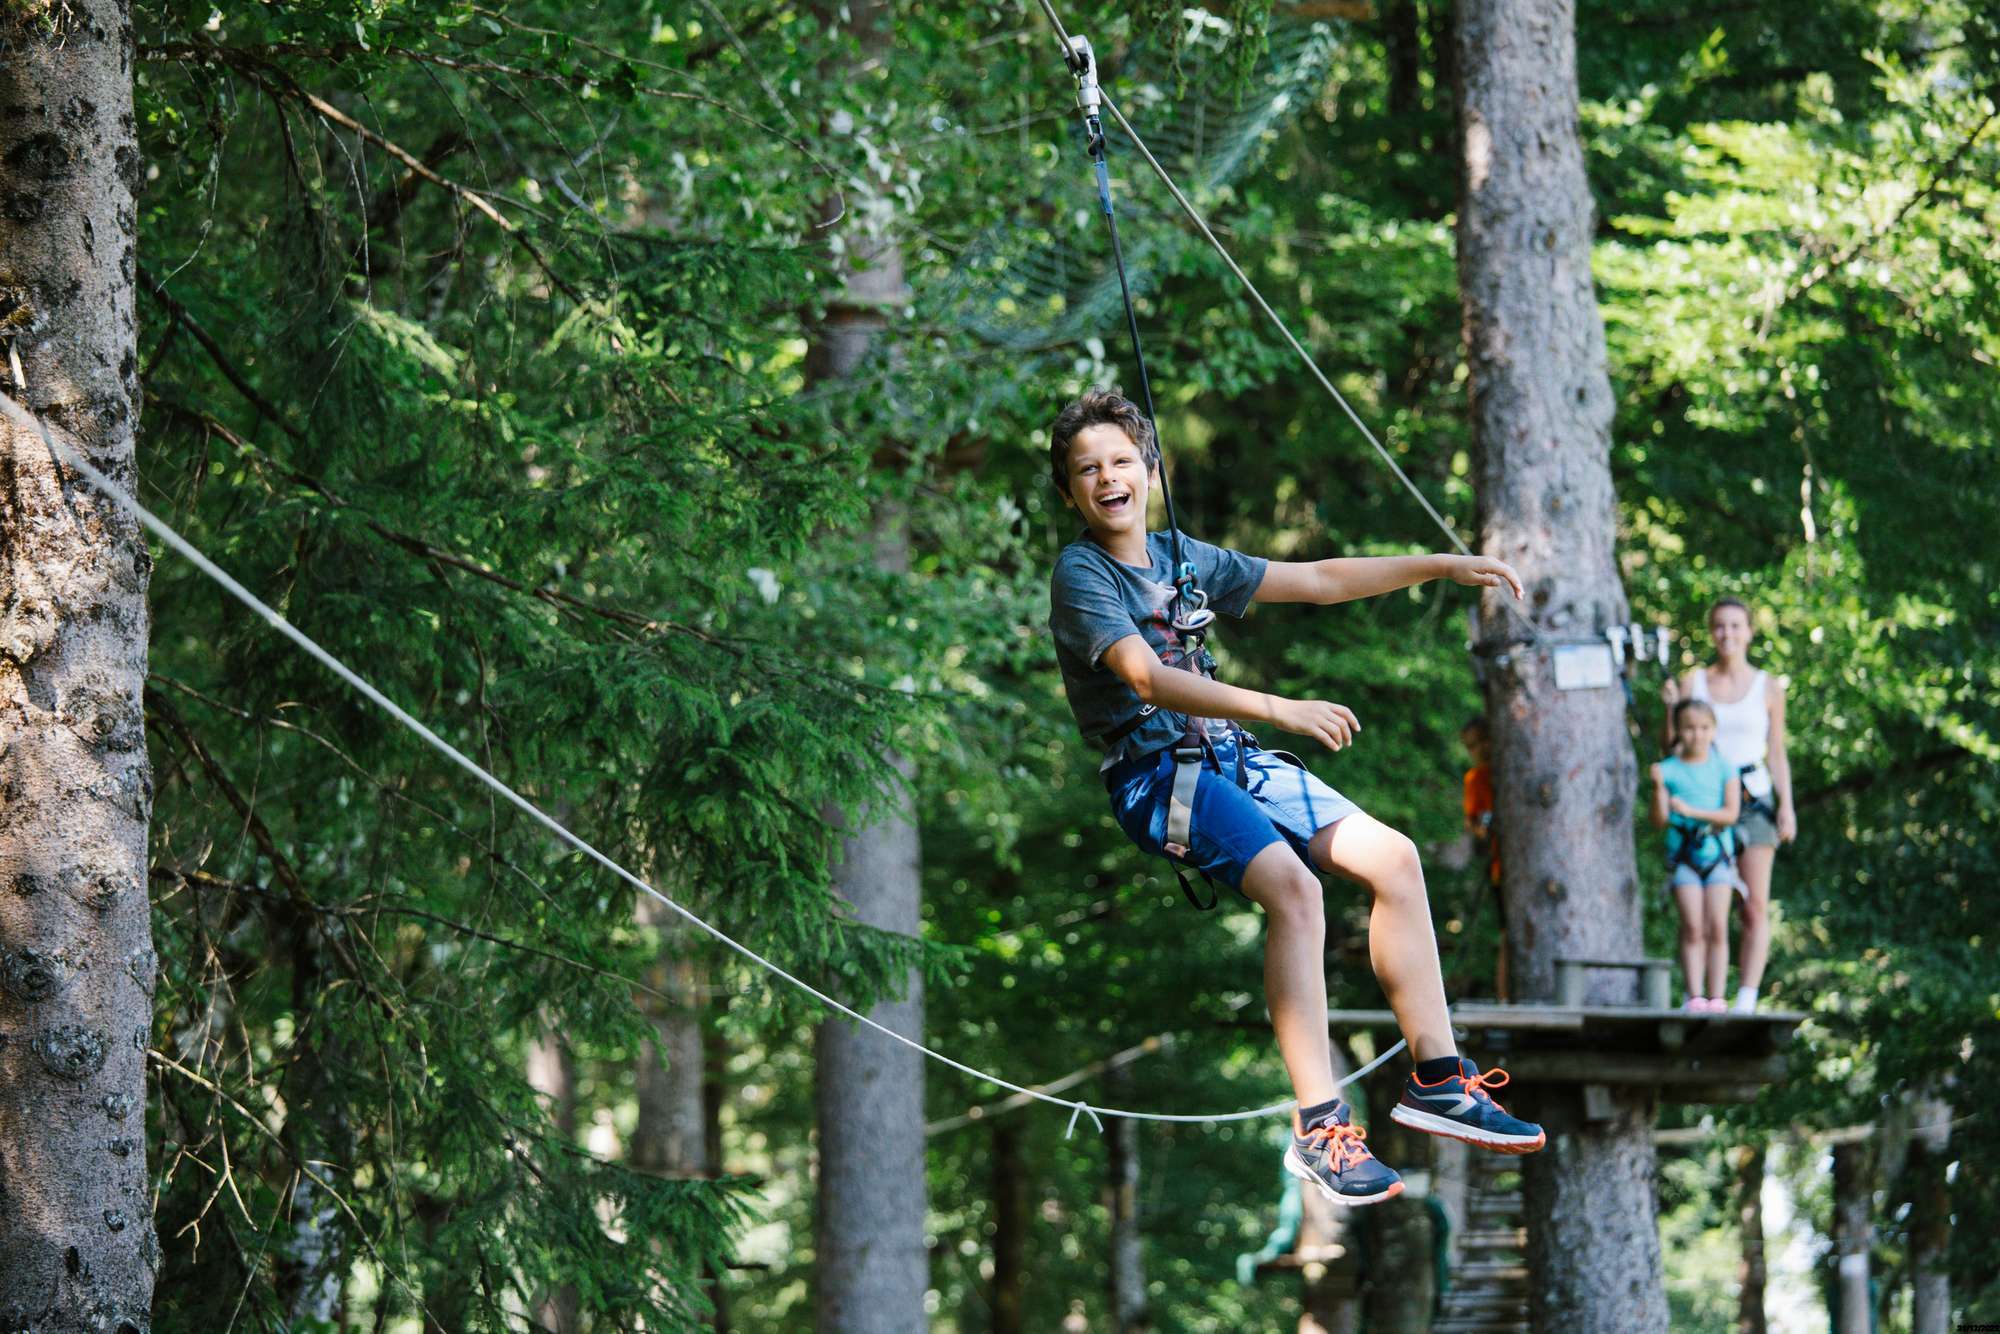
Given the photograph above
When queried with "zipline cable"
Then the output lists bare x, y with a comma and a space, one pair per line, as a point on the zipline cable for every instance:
1069, 47
160, 529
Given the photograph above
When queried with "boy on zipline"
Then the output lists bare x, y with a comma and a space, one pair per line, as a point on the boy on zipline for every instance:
1203, 794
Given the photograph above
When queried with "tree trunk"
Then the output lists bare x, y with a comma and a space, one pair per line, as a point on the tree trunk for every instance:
552, 1074
1563, 766
1129, 1313
1930, 1216
1010, 1229
673, 1136
872, 1268
77, 1248
1853, 1235
1749, 1161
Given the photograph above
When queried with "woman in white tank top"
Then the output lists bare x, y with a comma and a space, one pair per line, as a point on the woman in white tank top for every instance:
1750, 732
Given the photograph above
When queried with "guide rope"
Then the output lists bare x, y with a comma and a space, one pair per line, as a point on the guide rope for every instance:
74, 460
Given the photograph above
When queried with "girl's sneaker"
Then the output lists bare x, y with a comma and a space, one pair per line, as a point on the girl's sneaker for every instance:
1331, 1155
1459, 1107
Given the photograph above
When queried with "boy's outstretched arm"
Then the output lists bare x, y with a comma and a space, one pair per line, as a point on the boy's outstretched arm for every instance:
1136, 664
1346, 578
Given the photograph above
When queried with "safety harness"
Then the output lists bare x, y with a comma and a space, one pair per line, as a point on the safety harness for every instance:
1189, 613
1693, 834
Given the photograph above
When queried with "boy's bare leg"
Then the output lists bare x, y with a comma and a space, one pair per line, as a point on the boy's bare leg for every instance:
1718, 939
1755, 864
1401, 943
1294, 905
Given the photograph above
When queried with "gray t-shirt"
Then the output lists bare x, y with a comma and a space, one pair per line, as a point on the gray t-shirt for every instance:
1095, 600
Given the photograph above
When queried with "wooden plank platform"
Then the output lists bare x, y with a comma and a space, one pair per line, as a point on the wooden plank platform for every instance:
1726, 1057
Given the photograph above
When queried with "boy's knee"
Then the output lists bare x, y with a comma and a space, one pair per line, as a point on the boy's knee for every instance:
1298, 897
1400, 874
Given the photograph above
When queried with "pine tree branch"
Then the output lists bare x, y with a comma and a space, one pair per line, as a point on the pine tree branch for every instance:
181, 317
296, 897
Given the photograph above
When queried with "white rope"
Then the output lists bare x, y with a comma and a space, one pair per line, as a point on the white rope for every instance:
284, 627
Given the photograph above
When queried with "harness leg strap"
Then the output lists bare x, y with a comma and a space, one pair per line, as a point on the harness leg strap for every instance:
1180, 806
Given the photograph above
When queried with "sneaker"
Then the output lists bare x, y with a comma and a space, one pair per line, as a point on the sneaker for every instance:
1332, 1156
1459, 1107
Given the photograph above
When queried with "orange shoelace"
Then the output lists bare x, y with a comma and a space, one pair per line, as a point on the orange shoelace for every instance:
1491, 1079
1347, 1142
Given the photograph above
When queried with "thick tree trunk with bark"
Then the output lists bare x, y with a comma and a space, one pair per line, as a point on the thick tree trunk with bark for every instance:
1564, 774
872, 1267
1750, 1272
77, 1248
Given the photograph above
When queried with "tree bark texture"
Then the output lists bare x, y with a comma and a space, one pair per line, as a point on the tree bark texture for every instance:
1010, 1229
872, 1267
1564, 773
1750, 1272
1853, 1235
77, 1247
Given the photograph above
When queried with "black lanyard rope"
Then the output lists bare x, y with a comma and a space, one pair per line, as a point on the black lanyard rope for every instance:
1191, 614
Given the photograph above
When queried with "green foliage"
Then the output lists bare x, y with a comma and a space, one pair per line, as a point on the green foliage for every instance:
570, 488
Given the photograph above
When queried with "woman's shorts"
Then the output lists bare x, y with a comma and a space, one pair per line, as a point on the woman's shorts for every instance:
1756, 829
1231, 824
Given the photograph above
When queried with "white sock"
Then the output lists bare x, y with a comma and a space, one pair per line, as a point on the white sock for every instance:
1746, 999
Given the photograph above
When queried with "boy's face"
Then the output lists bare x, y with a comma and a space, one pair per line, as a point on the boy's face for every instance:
1109, 482
1697, 729
1475, 743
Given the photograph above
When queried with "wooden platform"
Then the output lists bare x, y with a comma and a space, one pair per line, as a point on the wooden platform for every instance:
1702, 1058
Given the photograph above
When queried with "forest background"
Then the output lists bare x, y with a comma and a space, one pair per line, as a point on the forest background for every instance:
475, 339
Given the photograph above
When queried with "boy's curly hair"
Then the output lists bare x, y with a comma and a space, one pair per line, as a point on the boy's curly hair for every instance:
1099, 407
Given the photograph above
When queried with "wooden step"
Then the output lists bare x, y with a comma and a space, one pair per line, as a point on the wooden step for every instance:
1488, 1238
1478, 1325
1495, 1204
1474, 1272
1493, 1304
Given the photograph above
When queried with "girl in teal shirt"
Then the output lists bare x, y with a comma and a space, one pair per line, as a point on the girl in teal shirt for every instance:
1696, 799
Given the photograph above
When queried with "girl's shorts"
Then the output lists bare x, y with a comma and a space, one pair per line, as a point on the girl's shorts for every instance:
1280, 800
1684, 876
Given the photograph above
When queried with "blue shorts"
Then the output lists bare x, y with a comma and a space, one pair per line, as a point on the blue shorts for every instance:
1279, 801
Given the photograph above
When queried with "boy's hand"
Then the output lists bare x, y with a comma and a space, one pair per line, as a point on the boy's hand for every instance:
1332, 725
1484, 572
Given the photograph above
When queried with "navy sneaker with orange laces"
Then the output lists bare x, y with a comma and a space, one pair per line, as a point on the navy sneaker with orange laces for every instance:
1331, 1154
1459, 1107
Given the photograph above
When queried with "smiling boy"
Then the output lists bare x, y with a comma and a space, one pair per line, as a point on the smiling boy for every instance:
1255, 818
